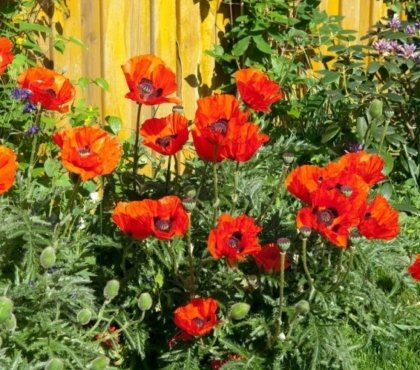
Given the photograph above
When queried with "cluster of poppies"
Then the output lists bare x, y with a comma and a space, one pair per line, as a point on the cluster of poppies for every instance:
337, 199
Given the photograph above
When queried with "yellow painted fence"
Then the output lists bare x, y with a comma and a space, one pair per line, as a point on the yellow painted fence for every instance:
178, 31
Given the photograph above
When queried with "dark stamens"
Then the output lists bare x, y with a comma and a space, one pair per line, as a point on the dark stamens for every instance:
220, 126
163, 225
84, 151
166, 140
235, 241
199, 322
325, 217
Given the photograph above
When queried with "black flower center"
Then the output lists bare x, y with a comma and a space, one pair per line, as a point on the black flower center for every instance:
326, 216
220, 126
84, 151
163, 225
166, 140
51, 93
147, 90
234, 241
199, 322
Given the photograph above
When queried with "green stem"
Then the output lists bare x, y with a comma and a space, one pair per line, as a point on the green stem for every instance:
281, 299
190, 257
305, 267
216, 192
344, 276
33, 150
202, 180
383, 135
235, 188
168, 174
74, 194
136, 149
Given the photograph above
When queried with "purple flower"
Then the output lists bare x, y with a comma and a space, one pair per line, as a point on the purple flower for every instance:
407, 51
417, 25
29, 107
21, 94
384, 46
394, 23
353, 147
411, 30
32, 130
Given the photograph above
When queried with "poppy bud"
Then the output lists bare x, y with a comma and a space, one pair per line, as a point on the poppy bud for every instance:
6, 308
302, 307
144, 302
99, 363
388, 112
239, 310
355, 236
288, 157
375, 108
283, 243
305, 231
178, 109
10, 323
111, 289
54, 364
84, 316
189, 204
48, 258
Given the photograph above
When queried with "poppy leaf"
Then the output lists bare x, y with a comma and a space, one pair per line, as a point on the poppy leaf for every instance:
50, 167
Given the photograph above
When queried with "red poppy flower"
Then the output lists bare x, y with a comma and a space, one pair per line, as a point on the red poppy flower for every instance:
331, 215
198, 317
217, 121
234, 238
379, 220
88, 151
150, 81
245, 143
217, 364
414, 269
165, 135
368, 166
134, 219
8, 168
169, 217
257, 90
6, 55
50, 89
109, 338
268, 257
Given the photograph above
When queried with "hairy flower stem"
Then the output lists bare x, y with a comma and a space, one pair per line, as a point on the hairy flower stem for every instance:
305, 267
190, 257
235, 188
344, 276
33, 150
383, 135
279, 321
76, 187
168, 174
216, 193
275, 193
136, 149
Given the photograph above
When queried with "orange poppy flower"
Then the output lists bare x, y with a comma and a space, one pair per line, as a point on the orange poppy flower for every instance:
268, 257
169, 217
134, 219
217, 120
234, 238
198, 317
8, 167
368, 166
245, 143
379, 220
6, 55
88, 151
331, 215
50, 89
165, 135
150, 81
257, 90
414, 269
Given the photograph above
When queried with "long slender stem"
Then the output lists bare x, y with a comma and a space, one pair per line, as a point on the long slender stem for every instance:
344, 276
168, 174
235, 188
190, 256
281, 295
305, 267
136, 149
74, 193
216, 192
33, 149
202, 180
383, 135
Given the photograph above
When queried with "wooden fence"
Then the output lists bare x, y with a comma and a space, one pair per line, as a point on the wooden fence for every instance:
178, 31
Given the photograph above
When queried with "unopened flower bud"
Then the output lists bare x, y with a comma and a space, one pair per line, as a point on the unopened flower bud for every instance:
144, 302
355, 236
288, 157
302, 307
48, 258
178, 109
189, 203
239, 310
54, 364
84, 316
375, 108
283, 243
111, 289
99, 363
388, 112
305, 231
6, 308
10, 323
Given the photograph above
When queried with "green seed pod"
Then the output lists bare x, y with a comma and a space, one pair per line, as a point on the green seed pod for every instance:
189, 204
6, 308
99, 363
84, 316
111, 289
302, 307
376, 108
389, 113
283, 243
288, 157
10, 323
48, 258
54, 364
239, 310
145, 301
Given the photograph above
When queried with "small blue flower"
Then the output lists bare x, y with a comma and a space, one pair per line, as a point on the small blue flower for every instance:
29, 107
32, 130
21, 94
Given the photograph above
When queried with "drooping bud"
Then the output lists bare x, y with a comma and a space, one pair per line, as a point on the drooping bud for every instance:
144, 302
48, 258
302, 307
111, 289
54, 364
305, 231
376, 108
84, 316
283, 243
99, 363
288, 157
239, 310
6, 308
